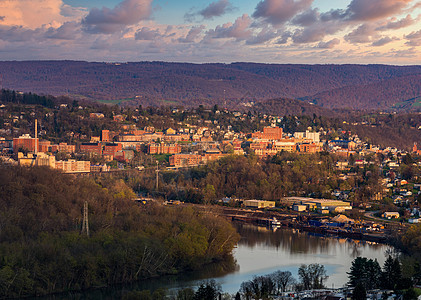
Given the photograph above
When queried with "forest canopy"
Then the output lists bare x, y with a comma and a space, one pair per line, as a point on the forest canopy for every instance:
43, 251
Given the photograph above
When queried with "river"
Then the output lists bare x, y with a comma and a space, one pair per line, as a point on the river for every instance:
262, 251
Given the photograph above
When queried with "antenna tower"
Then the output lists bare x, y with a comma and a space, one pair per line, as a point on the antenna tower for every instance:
85, 222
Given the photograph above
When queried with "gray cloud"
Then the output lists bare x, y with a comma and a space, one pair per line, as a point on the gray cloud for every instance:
397, 24
364, 10
307, 18
67, 31
414, 38
315, 33
383, 41
362, 34
147, 34
280, 11
284, 37
2, 18
329, 44
239, 30
192, 35
107, 21
266, 34
216, 9
19, 33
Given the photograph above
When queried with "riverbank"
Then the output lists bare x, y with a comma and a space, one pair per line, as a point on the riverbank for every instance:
363, 230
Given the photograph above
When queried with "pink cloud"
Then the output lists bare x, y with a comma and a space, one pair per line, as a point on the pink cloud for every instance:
128, 12
329, 44
280, 11
239, 30
192, 35
397, 24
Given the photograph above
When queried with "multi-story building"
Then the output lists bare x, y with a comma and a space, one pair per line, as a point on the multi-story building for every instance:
25, 142
269, 133
161, 148
63, 147
91, 148
73, 166
309, 148
105, 136
44, 146
111, 149
288, 146
38, 159
185, 160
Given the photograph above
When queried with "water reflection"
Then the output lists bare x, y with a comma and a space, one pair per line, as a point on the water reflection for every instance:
293, 241
262, 251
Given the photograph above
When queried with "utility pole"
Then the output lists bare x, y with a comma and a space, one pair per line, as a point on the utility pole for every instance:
157, 172
225, 101
85, 222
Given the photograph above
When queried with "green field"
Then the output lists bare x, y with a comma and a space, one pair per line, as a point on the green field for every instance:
414, 102
115, 101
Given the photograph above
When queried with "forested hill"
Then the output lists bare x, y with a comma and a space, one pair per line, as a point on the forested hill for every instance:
42, 250
157, 83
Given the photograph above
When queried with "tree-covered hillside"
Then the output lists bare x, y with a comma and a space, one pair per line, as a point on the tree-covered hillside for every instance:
43, 251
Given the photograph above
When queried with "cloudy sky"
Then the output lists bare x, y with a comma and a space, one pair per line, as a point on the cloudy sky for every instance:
272, 31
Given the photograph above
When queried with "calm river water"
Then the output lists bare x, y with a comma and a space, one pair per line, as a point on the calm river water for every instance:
262, 251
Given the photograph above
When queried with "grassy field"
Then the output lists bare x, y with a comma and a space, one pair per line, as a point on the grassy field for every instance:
115, 101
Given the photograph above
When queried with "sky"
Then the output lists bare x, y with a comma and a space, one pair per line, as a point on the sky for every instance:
200, 31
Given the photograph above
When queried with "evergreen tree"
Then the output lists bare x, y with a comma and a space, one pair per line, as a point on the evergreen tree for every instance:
359, 292
391, 274
365, 271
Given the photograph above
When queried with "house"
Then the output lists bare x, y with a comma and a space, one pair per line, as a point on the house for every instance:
391, 215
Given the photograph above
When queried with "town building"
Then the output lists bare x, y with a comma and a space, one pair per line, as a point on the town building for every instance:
258, 203
185, 160
25, 142
162, 148
73, 166
269, 133
91, 148
110, 149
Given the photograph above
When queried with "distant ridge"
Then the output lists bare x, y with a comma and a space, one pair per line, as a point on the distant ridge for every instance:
159, 83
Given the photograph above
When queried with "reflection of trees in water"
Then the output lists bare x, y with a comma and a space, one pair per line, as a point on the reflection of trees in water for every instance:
295, 242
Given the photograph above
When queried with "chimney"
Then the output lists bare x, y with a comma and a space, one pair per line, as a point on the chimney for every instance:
36, 136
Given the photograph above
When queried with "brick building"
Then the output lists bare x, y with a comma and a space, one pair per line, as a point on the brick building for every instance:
111, 149
63, 147
269, 133
309, 148
91, 148
161, 148
25, 142
185, 160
